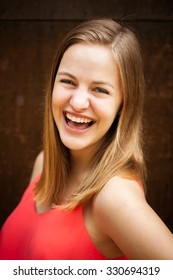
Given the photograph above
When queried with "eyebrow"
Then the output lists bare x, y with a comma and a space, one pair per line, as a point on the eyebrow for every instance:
103, 83
66, 74
93, 82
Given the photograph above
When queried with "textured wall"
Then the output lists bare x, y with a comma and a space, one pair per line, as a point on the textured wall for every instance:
29, 33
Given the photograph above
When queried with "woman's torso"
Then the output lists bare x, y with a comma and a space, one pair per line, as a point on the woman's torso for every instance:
54, 234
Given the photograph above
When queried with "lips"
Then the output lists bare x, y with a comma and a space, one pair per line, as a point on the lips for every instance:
78, 122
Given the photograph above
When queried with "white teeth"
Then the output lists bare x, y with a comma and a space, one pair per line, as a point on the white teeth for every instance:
78, 120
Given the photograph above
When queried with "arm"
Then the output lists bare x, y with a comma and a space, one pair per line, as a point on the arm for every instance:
38, 165
124, 215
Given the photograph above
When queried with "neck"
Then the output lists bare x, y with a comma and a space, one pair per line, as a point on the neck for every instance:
80, 164
80, 167
81, 160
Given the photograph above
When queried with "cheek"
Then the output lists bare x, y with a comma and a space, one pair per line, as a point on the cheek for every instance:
57, 103
106, 110
59, 97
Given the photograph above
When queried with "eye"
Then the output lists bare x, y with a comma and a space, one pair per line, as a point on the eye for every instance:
101, 90
67, 82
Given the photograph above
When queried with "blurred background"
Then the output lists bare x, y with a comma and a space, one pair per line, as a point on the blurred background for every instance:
29, 33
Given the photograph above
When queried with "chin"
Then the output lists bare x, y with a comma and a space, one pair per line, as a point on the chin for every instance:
73, 145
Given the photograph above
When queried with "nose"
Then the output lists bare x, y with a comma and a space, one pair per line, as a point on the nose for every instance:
80, 100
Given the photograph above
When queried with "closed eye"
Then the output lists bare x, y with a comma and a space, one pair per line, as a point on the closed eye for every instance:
101, 90
68, 82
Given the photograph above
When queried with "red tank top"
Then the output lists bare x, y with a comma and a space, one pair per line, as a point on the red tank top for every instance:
53, 235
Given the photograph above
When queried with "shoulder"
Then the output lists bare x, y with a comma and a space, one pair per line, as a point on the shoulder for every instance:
39, 160
118, 210
119, 200
119, 191
38, 165
124, 215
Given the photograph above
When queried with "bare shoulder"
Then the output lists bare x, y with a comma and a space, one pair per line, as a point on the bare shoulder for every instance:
123, 213
119, 200
118, 191
39, 158
38, 165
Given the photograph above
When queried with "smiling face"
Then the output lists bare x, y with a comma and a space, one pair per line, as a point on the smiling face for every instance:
86, 96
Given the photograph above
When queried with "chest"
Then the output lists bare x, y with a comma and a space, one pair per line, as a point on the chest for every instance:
56, 234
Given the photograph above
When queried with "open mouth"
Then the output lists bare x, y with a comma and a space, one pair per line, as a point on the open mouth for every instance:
80, 123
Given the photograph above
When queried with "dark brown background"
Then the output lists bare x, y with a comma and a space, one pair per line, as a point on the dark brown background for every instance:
29, 32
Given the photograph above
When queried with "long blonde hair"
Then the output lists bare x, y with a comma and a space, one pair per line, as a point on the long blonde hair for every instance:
120, 152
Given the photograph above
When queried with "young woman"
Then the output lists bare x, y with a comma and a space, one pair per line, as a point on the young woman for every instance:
89, 201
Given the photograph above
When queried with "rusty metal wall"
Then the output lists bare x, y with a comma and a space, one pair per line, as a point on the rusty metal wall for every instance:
29, 32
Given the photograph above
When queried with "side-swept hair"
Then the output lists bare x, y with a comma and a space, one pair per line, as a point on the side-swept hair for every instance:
120, 152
